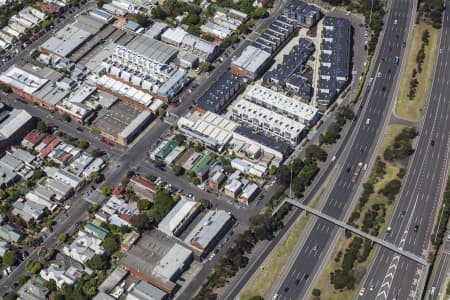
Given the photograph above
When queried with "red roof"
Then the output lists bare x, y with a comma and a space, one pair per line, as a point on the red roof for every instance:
118, 191
34, 137
50, 146
126, 218
143, 183
65, 156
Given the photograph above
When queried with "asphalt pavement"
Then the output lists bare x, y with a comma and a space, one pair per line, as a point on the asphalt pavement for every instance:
417, 206
371, 120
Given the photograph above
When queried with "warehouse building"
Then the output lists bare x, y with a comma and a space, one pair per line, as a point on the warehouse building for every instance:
158, 260
66, 41
205, 235
335, 59
251, 63
221, 93
303, 13
14, 125
283, 105
205, 50
210, 129
179, 216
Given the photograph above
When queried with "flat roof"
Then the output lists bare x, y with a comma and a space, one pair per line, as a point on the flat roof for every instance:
66, 40
15, 120
23, 79
251, 59
153, 49
208, 228
177, 215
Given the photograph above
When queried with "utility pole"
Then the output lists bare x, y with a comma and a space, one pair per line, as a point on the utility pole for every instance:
290, 183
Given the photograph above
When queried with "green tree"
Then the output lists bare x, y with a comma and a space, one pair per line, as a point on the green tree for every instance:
191, 19
143, 204
95, 177
51, 285
96, 131
63, 237
38, 174
272, 170
316, 293
258, 13
106, 191
111, 244
141, 222
36, 268
82, 144
46, 23
179, 138
97, 263
314, 152
65, 117
11, 295
177, 170
96, 152
41, 126
10, 258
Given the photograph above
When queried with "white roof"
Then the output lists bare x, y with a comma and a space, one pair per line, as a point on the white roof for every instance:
209, 227
23, 79
174, 261
66, 40
249, 190
251, 58
273, 119
292, 108
176, 35
177, 215
17, 118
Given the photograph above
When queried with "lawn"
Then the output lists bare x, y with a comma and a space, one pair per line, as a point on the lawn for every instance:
323, 283
413, 109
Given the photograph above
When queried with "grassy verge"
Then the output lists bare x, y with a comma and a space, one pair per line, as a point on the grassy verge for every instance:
272, 267
412, 109
323, 283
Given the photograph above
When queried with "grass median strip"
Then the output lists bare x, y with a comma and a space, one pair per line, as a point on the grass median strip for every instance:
412, 109
371, 215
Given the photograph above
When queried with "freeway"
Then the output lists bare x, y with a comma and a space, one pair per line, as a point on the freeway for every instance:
415, 214
438, 282
369, 129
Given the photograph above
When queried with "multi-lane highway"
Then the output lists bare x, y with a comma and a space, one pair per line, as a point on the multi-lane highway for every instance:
370, 125
412, 222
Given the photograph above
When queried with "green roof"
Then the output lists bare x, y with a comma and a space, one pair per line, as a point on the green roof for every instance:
10, 234
201, 163
222, 10
58, 153
96, 230
167, 149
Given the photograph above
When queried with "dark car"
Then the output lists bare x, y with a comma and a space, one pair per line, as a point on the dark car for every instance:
286, 289
296, 282
416, 227
432, 142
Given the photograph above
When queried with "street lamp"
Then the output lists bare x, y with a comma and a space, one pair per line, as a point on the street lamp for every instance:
439, 223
